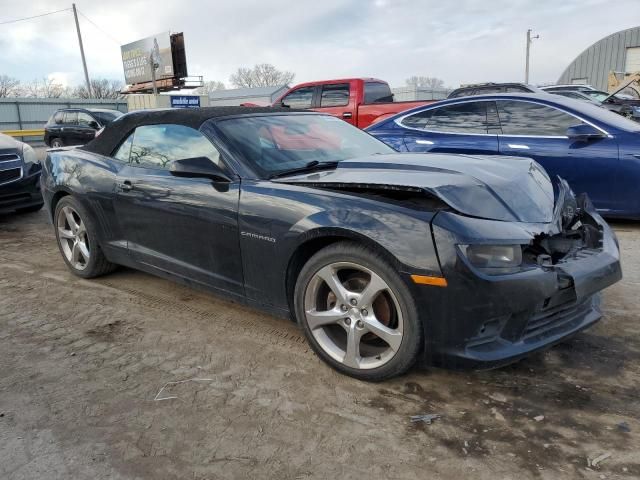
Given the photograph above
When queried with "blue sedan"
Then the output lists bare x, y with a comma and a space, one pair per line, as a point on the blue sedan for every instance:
595, 150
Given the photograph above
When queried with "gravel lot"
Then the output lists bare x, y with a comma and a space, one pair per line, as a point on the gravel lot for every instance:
83, 365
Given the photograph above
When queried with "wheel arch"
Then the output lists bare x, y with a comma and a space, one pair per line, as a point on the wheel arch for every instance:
55, 199
316, 240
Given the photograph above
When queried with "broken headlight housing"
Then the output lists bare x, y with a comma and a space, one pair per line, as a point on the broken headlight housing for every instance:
493, 258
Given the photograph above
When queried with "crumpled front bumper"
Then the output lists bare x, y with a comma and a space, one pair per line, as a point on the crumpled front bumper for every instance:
485, 321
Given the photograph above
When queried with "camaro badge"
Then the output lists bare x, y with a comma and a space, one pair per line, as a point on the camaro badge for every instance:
258, 237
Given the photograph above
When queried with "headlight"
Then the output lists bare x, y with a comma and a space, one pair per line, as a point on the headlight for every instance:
493, 256
29, 154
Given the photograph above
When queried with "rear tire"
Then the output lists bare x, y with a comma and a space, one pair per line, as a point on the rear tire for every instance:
77, 241
357, 313
56, 143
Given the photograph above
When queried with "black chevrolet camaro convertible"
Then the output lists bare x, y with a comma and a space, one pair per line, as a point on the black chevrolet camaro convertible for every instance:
381, 258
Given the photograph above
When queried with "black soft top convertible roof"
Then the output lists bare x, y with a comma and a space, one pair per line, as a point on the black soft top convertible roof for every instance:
116, 131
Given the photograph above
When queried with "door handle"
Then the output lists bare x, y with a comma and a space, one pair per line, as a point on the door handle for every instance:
347, 115
424, 142
518, 146
125, 186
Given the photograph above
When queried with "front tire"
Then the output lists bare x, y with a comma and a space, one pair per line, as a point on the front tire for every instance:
357, 313
56, 143
77, 241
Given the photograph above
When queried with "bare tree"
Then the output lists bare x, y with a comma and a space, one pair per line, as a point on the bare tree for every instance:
424, 82
210, 86
9, 86
44, 88
100, 88
261, 75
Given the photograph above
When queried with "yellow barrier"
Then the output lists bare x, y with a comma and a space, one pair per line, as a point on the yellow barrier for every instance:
24, 133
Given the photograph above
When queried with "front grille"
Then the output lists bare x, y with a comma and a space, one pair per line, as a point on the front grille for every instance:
559, 315
8, 157
10, 175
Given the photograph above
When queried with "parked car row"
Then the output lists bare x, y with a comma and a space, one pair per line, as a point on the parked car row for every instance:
358, 101
622, 104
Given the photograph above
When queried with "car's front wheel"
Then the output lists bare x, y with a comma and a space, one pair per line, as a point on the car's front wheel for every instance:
56, 143
357, 313
76, 235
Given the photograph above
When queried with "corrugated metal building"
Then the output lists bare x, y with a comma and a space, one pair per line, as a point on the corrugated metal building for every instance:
619, 52
236, 96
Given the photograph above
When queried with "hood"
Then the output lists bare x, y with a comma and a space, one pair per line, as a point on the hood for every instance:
503, 188
9, 143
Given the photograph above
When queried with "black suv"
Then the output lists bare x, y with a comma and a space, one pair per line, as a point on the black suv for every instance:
76, 126
489, 88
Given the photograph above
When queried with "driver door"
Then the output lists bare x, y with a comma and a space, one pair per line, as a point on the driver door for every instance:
185, 226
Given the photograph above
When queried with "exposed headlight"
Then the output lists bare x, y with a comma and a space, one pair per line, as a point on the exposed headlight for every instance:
29, 154
493, 256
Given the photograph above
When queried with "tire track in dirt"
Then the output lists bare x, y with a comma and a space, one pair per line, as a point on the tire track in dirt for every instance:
230, 319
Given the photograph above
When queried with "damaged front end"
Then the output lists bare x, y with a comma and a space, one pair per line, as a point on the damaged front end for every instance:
573, 230
548, 293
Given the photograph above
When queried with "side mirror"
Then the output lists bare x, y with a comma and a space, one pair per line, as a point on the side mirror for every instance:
583, 133
93, 124
198, 167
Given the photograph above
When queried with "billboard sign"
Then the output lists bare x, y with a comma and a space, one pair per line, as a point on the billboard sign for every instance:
185, 101
137, 57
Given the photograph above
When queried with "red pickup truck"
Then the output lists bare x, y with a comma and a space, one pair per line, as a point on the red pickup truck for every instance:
359, 101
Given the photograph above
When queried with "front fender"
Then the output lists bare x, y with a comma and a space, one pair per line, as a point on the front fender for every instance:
407, 239
277, 219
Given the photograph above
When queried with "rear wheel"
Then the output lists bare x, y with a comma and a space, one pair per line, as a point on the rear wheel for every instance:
76, 235
357, 313
56, 143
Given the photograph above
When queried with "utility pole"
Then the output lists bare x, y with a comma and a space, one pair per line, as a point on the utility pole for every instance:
526, 68
154, 66
84, 62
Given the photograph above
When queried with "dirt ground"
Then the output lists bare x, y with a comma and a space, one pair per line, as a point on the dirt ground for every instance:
83, 365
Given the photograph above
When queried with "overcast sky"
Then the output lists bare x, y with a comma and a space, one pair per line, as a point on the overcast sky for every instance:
460, 41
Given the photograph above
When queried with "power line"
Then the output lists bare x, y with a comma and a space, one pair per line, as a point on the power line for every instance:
34, 16
103, 31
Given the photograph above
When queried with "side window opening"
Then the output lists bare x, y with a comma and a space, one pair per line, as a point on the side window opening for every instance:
377, 92
84, 119
527, 118
124, 150
335, 95
156, 146
300, 98
468, 117
70, 118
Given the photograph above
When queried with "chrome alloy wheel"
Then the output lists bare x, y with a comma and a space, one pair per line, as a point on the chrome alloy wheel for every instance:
72, 236
354, 315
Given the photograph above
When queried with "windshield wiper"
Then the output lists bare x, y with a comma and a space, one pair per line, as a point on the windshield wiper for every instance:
312, 166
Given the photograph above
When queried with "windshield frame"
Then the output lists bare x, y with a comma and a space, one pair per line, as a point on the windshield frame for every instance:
215, 132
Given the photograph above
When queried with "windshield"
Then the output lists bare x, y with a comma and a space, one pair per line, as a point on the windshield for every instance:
278, 143
106, 117
597, 95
